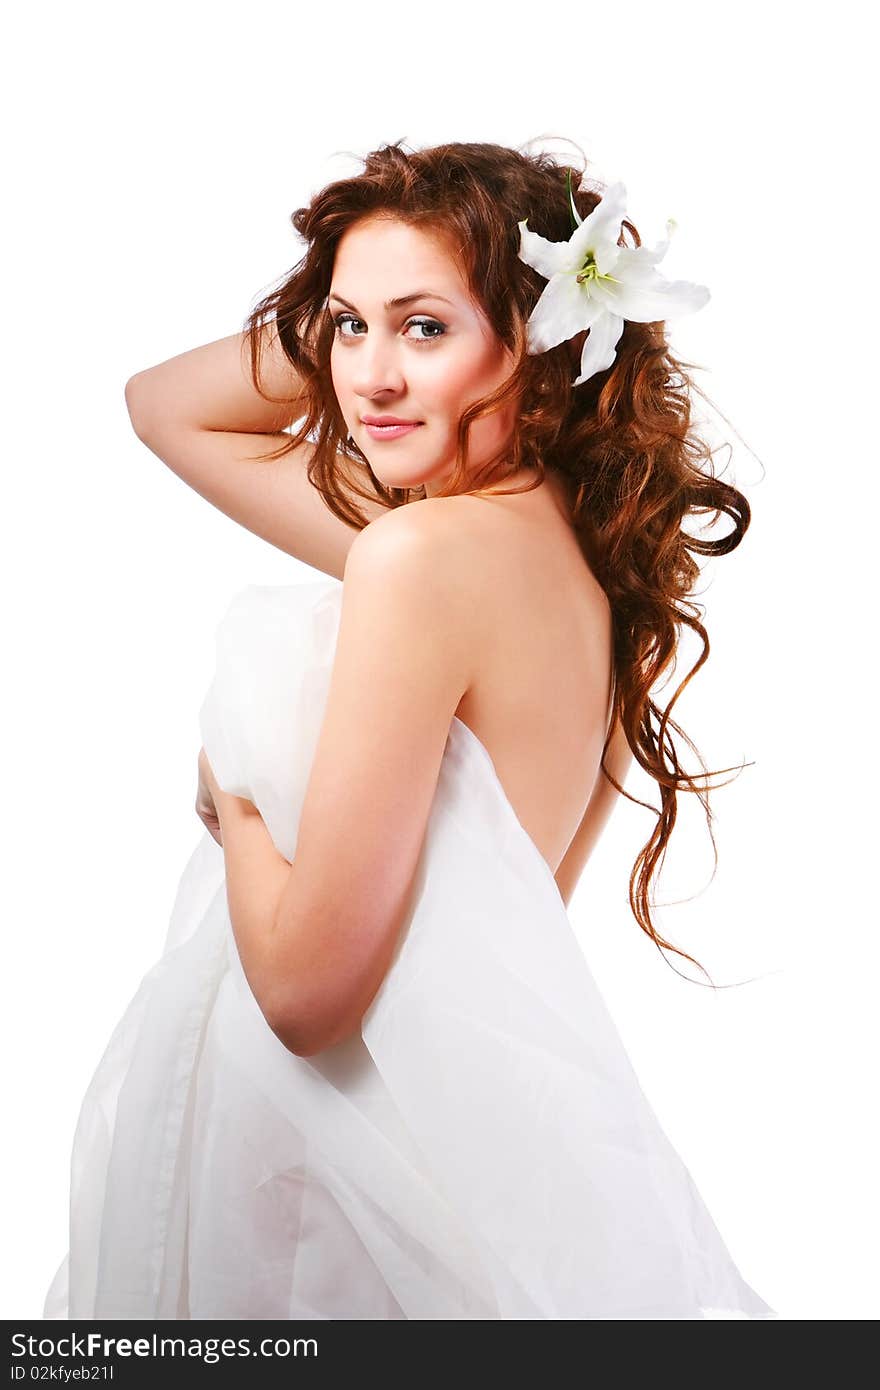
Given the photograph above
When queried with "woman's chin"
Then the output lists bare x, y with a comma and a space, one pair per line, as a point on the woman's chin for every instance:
400, 476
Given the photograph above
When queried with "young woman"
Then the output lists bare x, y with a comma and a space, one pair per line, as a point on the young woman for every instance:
371, 1075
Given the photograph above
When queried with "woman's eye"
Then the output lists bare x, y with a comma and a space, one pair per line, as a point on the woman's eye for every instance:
340, 321
424, 323
427, 323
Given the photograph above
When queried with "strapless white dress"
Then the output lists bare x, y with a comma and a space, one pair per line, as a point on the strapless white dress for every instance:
483, 1150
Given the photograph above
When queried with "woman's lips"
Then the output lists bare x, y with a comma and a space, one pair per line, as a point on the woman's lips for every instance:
390, 431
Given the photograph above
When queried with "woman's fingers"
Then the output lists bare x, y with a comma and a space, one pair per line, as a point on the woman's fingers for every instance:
207, 812
210, 820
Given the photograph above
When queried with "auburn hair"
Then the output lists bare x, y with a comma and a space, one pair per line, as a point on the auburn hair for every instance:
634, 466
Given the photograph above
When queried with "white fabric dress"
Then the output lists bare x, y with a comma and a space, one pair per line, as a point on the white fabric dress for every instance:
483, 1150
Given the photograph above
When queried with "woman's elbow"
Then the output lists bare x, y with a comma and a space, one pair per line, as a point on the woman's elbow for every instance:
136, 404
306, 1030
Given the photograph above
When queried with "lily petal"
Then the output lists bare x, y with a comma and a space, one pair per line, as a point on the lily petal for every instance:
599, 231
659, 251
635, 269
547, 257
651, 299
599, 348
635, 262
563, 310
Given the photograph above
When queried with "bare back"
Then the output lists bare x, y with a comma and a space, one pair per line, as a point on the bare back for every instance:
540, 702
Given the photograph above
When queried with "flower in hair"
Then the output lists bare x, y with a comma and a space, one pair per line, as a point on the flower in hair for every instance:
594, 283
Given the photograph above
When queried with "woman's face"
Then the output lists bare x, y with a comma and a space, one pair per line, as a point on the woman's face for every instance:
424, 360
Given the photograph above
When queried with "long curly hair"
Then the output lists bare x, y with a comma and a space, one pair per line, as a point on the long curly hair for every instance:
623, 441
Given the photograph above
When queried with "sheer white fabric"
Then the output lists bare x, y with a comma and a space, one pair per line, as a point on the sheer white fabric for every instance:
483, 1150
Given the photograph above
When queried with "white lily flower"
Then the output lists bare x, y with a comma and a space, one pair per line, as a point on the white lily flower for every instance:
594, 283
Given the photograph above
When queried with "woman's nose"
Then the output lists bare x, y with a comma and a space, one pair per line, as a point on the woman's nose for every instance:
377, 368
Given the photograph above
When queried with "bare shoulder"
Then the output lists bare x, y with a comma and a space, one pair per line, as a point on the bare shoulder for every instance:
434, 540
430, 517
418, 567
411, 570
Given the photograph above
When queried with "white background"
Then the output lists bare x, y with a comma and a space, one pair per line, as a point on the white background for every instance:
154, 156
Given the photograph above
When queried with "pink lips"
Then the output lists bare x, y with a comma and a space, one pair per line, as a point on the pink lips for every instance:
390, 431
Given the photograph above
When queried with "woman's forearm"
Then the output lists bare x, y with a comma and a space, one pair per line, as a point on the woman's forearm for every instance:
211, 388
256, 876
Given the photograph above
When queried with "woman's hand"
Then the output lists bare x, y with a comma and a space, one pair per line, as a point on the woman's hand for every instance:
213, 804
207, 797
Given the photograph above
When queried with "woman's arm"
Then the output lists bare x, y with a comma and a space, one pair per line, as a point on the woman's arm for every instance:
201, 415
256, 878
210, 388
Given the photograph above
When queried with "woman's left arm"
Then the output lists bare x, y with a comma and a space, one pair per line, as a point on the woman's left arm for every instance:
317, 936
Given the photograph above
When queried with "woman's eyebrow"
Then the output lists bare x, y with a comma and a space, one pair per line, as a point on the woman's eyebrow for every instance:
396, 303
